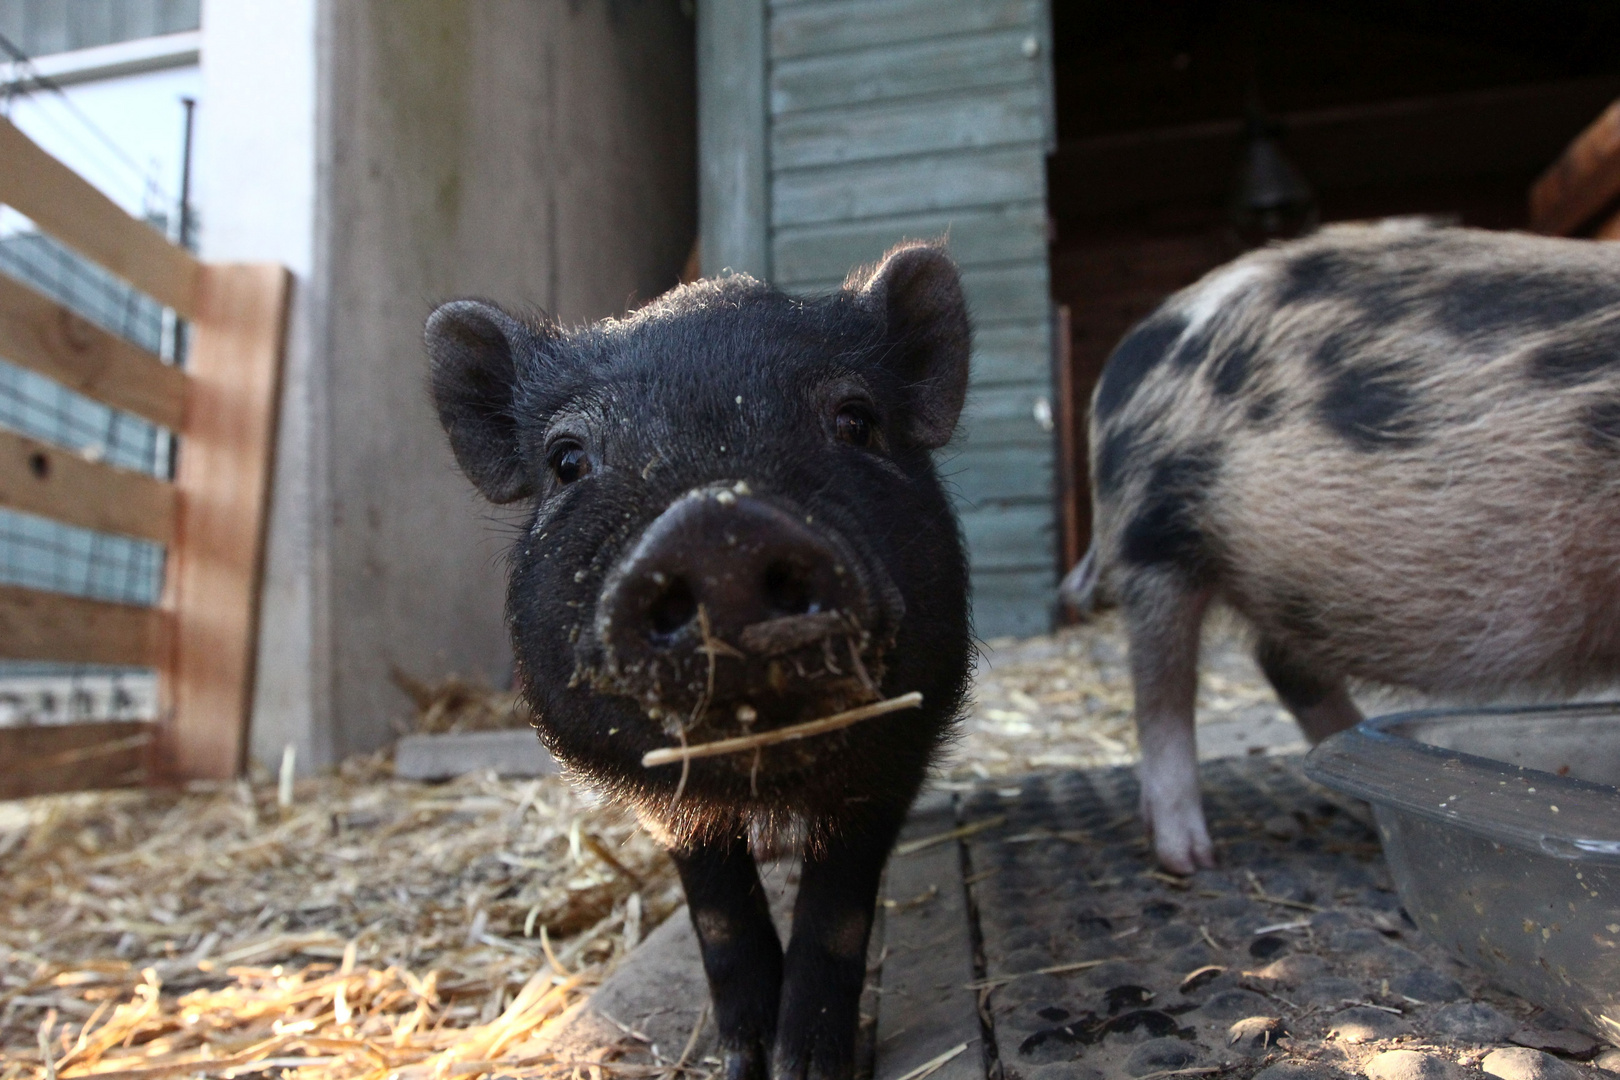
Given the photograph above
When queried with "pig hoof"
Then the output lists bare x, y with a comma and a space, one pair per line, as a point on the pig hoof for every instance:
810, 1069
747, 1063
1184, 850
822, 1059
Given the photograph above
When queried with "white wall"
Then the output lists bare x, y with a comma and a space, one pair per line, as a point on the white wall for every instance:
258, 167
140, 115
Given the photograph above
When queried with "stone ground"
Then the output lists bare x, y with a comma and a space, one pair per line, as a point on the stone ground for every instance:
1294, 957
1026, 935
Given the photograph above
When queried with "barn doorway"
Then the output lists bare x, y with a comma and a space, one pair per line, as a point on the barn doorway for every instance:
1383, 107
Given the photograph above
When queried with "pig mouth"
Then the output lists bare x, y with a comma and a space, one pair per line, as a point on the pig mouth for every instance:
774, 673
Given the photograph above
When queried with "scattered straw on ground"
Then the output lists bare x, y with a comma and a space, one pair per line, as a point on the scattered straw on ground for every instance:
378, 927
455, 705
1063, 701
374, 928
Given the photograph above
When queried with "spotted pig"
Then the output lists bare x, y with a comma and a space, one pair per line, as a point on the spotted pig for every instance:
1394, 449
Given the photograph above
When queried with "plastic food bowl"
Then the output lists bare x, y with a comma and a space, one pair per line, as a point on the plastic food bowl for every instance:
1502, 830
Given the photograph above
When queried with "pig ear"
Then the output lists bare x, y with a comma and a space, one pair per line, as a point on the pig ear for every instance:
474, 349
918, 292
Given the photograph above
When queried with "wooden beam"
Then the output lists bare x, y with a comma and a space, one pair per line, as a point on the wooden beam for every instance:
42, 759
733, 143
68, 207
1071, 488
41, 335
1583, 181
39, 478
38, 625
1501, 132
226, 448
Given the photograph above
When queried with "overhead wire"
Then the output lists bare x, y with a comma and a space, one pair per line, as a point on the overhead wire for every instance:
31, 76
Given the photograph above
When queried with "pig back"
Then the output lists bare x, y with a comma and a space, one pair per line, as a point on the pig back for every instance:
1395, 448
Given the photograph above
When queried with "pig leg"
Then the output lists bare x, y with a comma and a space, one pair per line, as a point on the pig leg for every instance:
1320, 703
826, 958
742, 955
1162, 618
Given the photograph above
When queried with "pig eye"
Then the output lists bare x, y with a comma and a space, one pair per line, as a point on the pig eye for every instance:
855, 425
570, 462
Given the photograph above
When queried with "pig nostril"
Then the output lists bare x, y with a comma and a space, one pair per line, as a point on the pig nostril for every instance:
673, 608
787, 590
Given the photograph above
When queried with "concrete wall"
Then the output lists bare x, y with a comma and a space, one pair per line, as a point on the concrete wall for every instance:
537, 154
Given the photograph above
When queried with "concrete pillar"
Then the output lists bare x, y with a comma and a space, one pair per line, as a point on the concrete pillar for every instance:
539, 154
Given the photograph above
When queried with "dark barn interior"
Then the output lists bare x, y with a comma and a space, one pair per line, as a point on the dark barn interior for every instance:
1383, 107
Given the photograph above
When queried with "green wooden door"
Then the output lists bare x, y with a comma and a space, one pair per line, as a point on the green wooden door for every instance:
831, 129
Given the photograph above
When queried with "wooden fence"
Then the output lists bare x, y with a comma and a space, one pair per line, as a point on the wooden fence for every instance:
201, 636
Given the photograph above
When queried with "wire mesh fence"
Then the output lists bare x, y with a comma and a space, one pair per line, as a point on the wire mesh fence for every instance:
43, 554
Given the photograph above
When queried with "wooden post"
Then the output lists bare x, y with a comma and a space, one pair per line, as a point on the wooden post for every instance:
40, 759
1070, 413
226, 451
734, 209
1583, 182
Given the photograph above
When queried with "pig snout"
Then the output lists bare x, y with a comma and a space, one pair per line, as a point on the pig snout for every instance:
740, 559
727, 596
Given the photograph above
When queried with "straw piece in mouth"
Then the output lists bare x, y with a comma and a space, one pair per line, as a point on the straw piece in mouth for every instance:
669, 755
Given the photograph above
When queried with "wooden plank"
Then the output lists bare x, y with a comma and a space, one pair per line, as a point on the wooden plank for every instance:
1006, 232
43, 759
1013, 603
41, 335
659, 992
1583, 181
1010, 352
1009, 413
39, 478
995, 294
871, 24
977, 475
1481, 133
733, 147
1018, 537
1137, 262
1003, 116
215, 566
1072, 492
1008, 293
947, 65
917, 185
38, 625
1609, 230
68, 207
926, 1009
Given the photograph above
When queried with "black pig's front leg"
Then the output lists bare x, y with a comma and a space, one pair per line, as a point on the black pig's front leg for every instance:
742, 955
826, 957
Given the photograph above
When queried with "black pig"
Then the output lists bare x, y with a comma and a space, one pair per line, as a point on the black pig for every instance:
737, 526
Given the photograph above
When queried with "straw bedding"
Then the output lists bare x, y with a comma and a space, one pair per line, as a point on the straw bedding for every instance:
375, 927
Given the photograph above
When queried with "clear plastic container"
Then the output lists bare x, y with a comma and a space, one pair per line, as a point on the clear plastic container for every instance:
1502, 830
